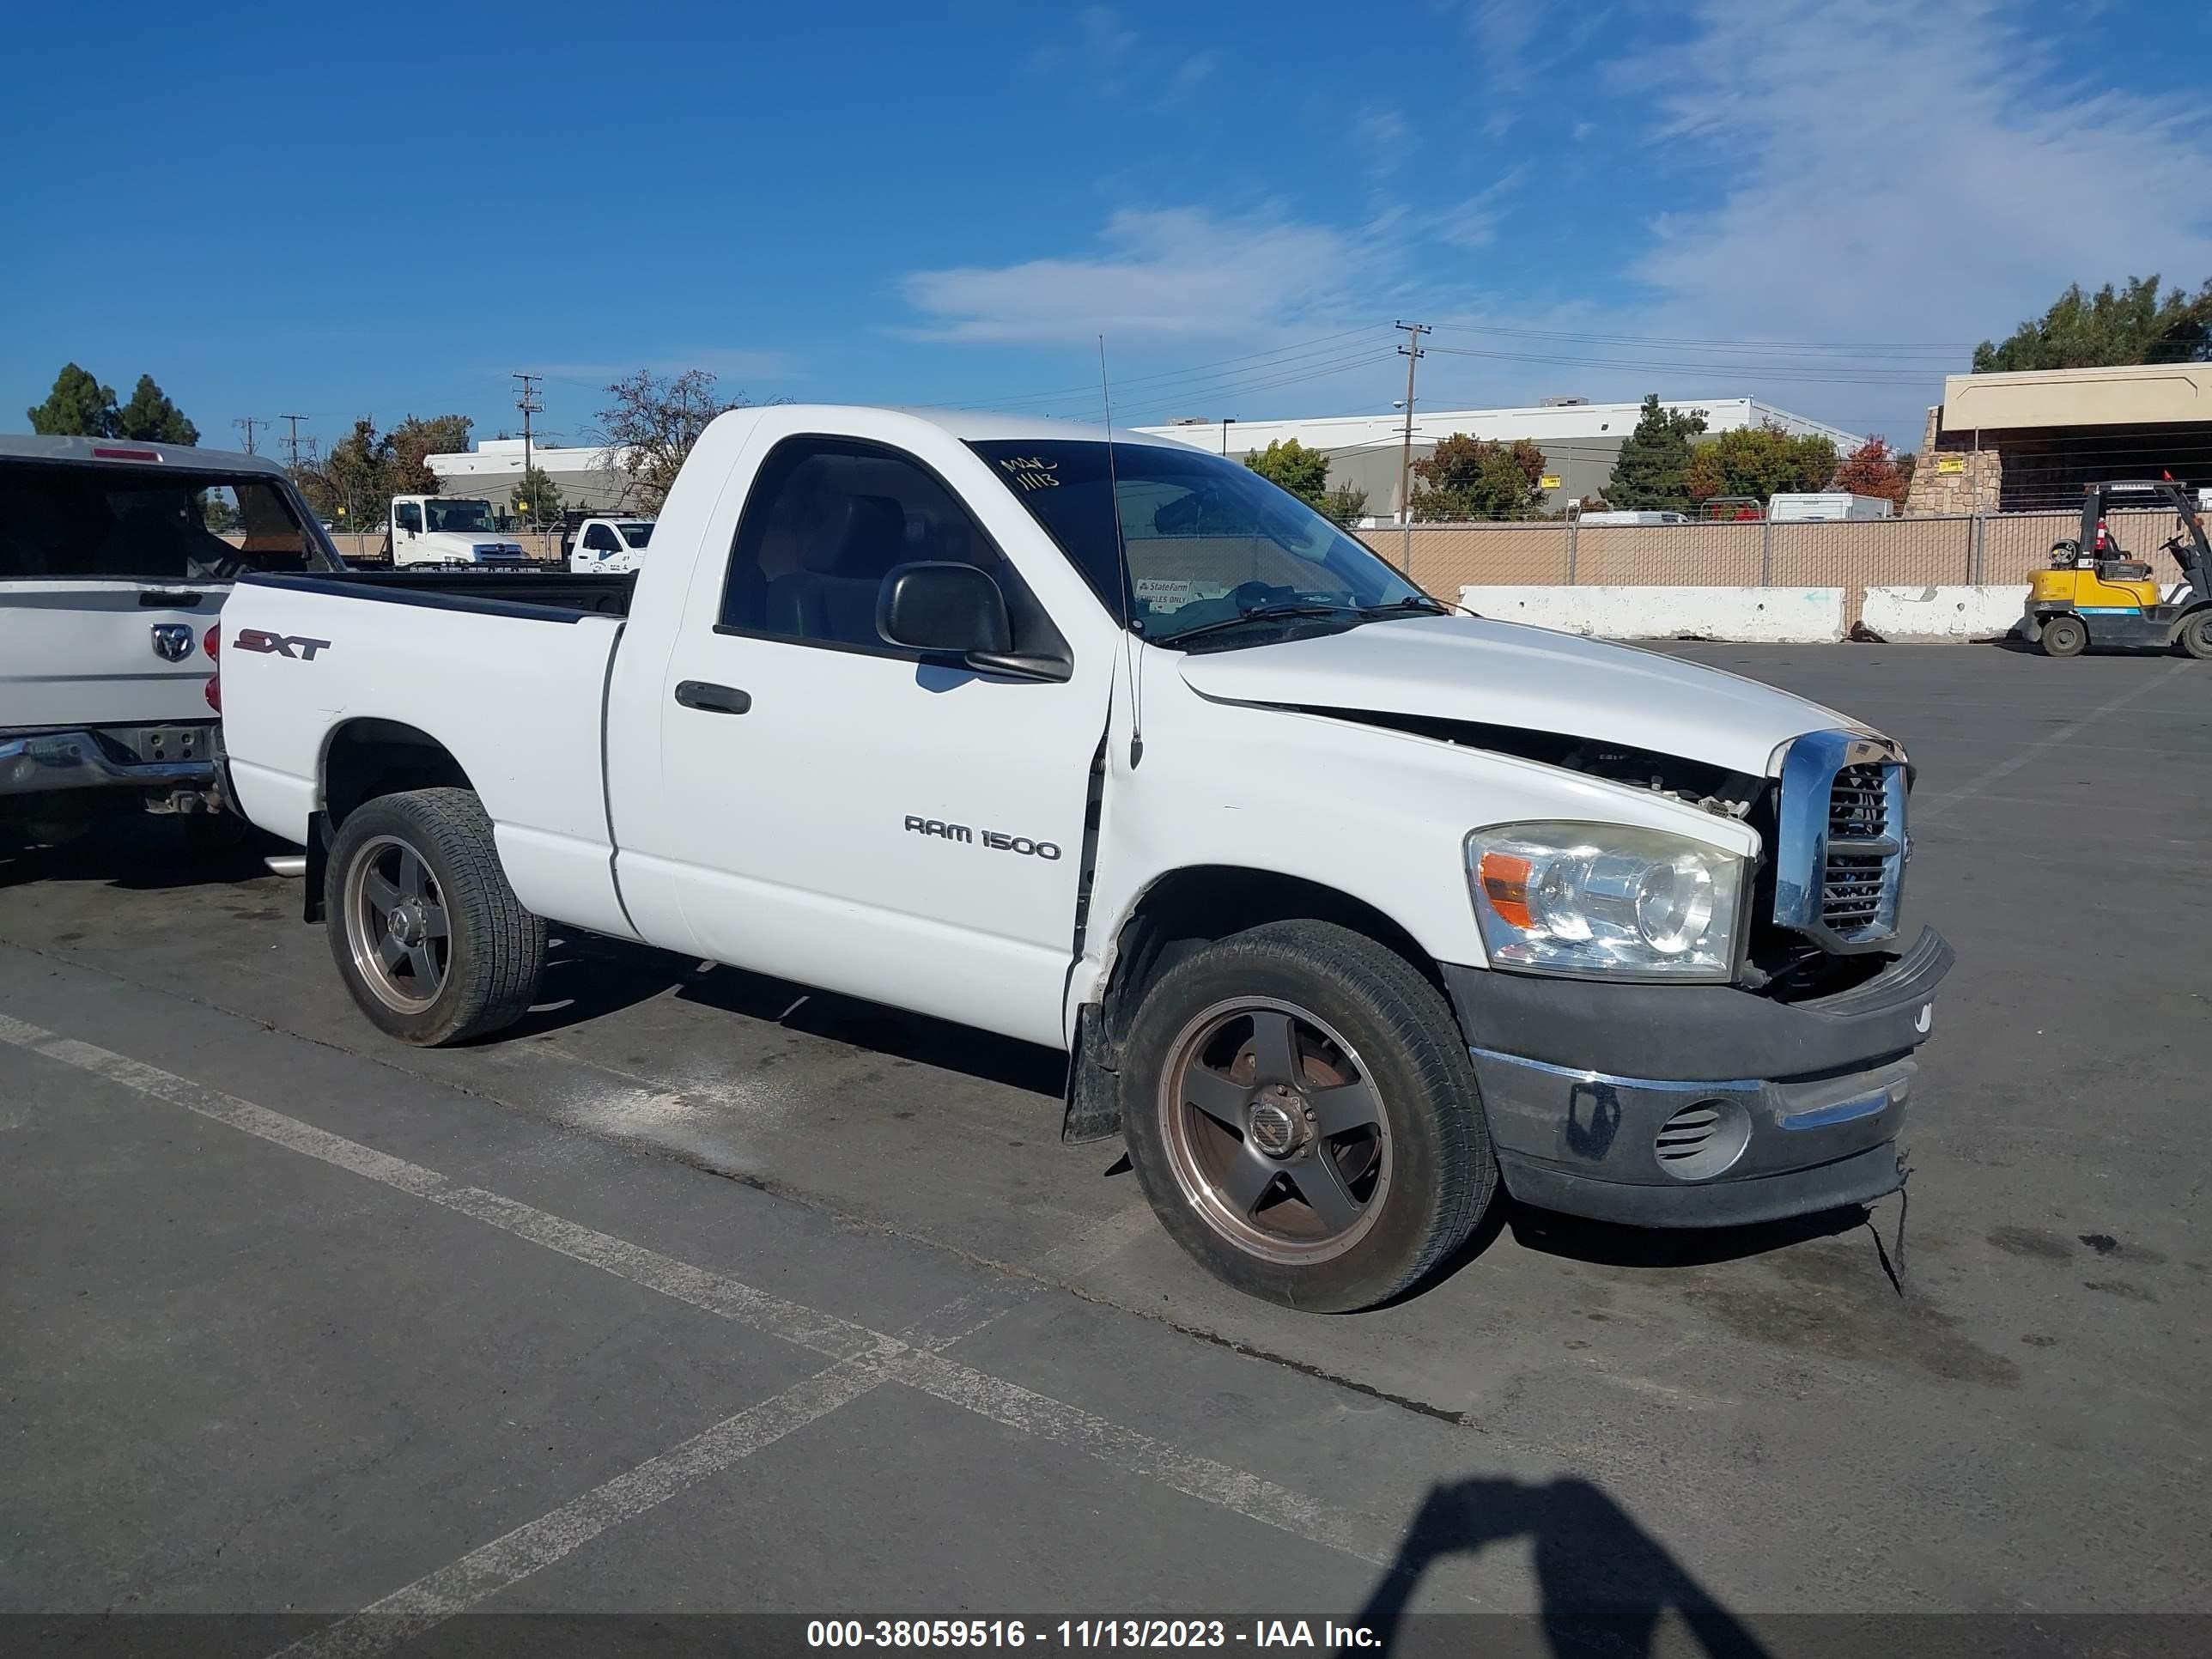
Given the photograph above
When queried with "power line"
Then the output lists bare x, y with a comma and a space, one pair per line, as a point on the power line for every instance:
1854, 347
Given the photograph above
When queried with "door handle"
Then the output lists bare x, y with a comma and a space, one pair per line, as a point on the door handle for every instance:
712, 698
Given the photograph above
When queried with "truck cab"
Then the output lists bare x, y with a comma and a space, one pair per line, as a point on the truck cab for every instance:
444, 530
609, 545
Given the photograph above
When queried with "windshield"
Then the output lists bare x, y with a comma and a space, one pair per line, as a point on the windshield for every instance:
1208, 539
637, 535
464, 517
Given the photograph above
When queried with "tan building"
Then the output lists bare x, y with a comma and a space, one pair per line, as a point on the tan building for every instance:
2031, 440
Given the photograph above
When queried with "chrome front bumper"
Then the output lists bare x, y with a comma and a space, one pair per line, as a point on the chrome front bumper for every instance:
48, 760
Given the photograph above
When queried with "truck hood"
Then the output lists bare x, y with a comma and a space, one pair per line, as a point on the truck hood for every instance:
1467, 668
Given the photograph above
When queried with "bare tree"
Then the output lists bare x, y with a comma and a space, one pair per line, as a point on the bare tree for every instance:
652, 424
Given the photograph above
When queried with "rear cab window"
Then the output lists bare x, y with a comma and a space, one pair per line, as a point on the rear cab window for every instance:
62, 521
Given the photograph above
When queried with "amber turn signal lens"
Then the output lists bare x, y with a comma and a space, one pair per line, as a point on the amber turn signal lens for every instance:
1505, 884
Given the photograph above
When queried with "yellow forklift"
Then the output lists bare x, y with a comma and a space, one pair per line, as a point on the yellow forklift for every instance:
2095, 594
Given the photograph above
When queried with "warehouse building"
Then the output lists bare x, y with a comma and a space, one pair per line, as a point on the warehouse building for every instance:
2029, 440
588, 479
1580, 440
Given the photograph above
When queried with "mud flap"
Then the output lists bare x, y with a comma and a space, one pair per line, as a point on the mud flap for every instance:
1093, 1097
319, 857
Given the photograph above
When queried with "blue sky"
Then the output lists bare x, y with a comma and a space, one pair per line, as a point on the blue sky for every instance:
341, 211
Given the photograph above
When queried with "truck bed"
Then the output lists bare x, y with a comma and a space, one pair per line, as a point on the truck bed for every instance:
506, 670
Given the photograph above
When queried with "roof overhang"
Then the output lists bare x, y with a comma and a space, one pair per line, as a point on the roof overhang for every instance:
2136, 395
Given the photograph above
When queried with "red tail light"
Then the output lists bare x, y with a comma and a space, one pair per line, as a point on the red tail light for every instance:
214, 692
212, 641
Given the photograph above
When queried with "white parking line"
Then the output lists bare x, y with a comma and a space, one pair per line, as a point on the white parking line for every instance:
864, 1358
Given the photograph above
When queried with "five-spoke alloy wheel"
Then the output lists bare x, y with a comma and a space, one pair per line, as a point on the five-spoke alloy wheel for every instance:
1302, 1116
427, 933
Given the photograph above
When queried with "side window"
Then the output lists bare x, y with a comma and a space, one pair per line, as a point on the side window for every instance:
601, 539
827, 519
409, 516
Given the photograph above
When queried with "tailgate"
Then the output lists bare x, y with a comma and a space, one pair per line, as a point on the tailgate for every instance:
105, 652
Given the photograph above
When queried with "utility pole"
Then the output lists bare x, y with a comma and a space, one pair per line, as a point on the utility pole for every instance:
292, 440
528, 404
245, 423
1411, 352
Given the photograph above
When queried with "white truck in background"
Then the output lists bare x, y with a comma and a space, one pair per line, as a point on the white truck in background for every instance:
1347, 907
445, 530
111, 577
1828, 506
609, 545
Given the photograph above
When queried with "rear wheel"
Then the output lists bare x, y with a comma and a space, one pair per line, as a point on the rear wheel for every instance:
426, 932
1303, 1116
2196, 636
2065, 636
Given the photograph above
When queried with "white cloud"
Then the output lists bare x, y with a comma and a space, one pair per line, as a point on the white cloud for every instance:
1106, 38
1473, 223
1162, 275
1385, 138
1937, 193
1193, 71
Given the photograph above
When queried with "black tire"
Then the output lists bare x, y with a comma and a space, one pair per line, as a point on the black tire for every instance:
2064, 636
2196, 636
484, 975
1358, 1013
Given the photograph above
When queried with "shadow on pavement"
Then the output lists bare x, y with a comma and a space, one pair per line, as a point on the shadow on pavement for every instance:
587, 977
1609, 1244
145, 852
1605, 1582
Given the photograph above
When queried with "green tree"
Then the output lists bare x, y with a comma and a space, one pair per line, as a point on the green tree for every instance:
1653, 468
414, 440
536, 497
1345, 505
1290, 464
354, 483
78, 407
1466, 478
151, 418
2133, 324
1757, 461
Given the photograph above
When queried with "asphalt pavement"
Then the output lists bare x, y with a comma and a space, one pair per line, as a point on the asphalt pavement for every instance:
701, 1292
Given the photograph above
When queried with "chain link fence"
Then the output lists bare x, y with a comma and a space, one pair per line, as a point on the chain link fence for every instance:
1992, 548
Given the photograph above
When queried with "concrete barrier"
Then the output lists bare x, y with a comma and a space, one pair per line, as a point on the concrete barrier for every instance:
1783, 615
1944, 613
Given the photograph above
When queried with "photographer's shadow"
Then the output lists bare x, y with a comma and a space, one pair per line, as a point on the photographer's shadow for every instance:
1605, 1582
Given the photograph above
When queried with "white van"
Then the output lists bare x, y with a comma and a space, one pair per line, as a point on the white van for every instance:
1834, 506
1623, 516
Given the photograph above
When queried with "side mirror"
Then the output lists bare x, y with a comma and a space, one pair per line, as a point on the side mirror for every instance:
955, 610
410, 518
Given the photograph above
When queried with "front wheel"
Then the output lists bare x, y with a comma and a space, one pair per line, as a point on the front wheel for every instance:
1303, 1116
2196, 636
2065, 636
427, 933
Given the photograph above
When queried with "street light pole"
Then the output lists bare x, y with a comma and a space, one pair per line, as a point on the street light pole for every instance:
1412, 353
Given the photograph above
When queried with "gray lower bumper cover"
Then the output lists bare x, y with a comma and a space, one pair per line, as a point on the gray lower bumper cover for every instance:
1800, 1105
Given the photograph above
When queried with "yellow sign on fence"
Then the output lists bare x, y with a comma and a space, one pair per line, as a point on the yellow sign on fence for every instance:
1950, 463
1549, 483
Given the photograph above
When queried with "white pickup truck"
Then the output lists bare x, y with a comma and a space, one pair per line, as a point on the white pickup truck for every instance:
1346, 907
447, 530
110, 580
610, 545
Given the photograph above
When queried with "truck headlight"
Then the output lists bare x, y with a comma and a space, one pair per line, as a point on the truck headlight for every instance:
1595, 899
